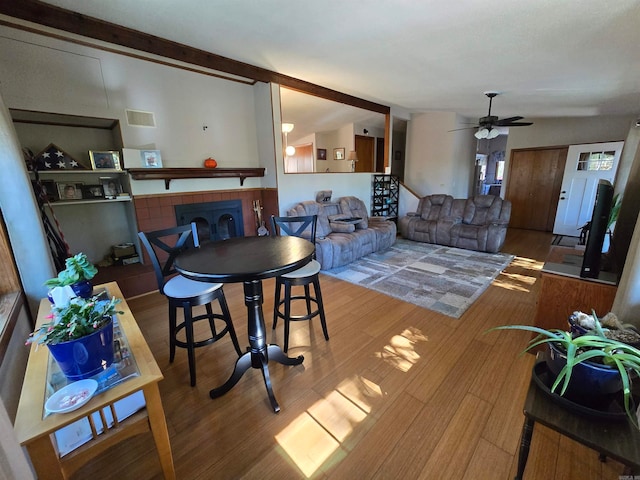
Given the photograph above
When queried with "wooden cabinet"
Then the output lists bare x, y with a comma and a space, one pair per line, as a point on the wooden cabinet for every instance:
561, 295
384, 201
91, 222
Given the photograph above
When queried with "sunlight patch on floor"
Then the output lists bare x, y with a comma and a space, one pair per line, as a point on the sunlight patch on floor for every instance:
521, 281
528, 263
361, 391
307, 443
313, 437
317, 434
400, 351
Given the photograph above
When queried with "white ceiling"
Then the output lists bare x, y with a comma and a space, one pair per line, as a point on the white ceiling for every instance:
548, 58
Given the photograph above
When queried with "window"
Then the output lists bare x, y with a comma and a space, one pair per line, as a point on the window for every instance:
499, 170
596, 161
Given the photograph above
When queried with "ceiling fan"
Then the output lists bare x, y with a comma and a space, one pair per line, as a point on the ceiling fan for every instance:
486, 124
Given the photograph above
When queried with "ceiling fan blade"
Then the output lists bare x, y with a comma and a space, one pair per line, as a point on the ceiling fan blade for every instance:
517, 124
504, 121
463, 128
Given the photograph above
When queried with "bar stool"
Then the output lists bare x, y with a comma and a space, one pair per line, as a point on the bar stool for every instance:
305, 227
186, 294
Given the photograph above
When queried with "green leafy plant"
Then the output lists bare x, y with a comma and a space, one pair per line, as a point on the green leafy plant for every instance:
81, 317
615, 211
78, 268
593, 346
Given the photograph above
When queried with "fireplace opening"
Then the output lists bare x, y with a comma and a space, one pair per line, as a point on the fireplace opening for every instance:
214, 220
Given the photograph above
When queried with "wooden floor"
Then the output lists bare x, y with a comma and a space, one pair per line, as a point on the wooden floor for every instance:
397, 392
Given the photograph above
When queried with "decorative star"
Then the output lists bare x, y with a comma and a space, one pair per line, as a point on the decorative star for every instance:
59, 154
47, 165
73, 164
61, 164
45, 155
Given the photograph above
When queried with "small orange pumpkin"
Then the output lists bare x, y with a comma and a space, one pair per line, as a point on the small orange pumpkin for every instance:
210, 163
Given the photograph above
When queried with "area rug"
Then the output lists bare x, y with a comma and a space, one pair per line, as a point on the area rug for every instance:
444, 279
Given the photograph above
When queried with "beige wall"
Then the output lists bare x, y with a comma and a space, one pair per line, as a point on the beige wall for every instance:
439, 160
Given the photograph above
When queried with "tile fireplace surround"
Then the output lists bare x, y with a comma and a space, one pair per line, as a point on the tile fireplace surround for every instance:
155, 212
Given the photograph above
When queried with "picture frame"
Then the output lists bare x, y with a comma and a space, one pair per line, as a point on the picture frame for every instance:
49, 190
151, 158
69, 190
93, 192
338, 154
105, 160
111, 187
322, 153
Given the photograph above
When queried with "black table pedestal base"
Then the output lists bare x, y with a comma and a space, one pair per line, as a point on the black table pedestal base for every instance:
259, 353
257, 360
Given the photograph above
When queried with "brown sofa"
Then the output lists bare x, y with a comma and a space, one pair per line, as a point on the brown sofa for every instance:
476, 223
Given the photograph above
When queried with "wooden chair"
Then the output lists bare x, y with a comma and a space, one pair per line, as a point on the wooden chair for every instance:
305, 227
185, 293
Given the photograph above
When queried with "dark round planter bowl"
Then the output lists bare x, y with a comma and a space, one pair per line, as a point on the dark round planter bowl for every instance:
588, 379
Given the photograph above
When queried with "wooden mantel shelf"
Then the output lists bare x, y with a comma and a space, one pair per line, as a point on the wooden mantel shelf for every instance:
168, 174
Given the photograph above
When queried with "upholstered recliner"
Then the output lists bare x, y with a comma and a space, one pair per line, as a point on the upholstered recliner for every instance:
422, 226
484, 224
477, 223
344, 231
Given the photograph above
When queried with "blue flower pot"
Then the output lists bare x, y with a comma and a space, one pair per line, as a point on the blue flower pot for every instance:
87, 356
82, 289
588, 379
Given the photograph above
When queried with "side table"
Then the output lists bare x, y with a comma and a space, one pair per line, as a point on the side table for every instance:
37, 433
619, 440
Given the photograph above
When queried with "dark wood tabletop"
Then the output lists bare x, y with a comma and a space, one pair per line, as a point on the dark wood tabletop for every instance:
249, 260
244, 259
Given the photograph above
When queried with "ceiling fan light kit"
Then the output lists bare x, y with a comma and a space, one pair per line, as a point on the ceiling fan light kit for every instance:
486, 125
486, 133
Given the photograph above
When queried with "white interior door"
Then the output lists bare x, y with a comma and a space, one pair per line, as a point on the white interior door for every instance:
586, 164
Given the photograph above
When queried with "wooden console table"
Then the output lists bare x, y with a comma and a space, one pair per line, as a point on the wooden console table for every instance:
561, 294
37, 433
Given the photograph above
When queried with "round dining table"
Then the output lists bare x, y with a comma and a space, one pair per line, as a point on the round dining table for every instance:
249, 260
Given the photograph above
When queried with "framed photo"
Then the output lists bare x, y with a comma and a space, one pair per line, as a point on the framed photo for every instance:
70, 191
151, 158
111, 187
92, 191
338, 153
49, 190
106, 160
322, 154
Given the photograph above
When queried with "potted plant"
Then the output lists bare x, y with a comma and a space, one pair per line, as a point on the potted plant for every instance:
79, 270
588, 356
80, 335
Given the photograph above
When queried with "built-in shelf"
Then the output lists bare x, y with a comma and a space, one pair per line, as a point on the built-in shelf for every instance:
168, 174
122, 198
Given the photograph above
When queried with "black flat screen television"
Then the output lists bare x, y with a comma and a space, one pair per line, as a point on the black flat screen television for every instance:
599, 220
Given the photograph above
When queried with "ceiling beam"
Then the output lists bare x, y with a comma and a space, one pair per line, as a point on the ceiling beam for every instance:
73, 22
